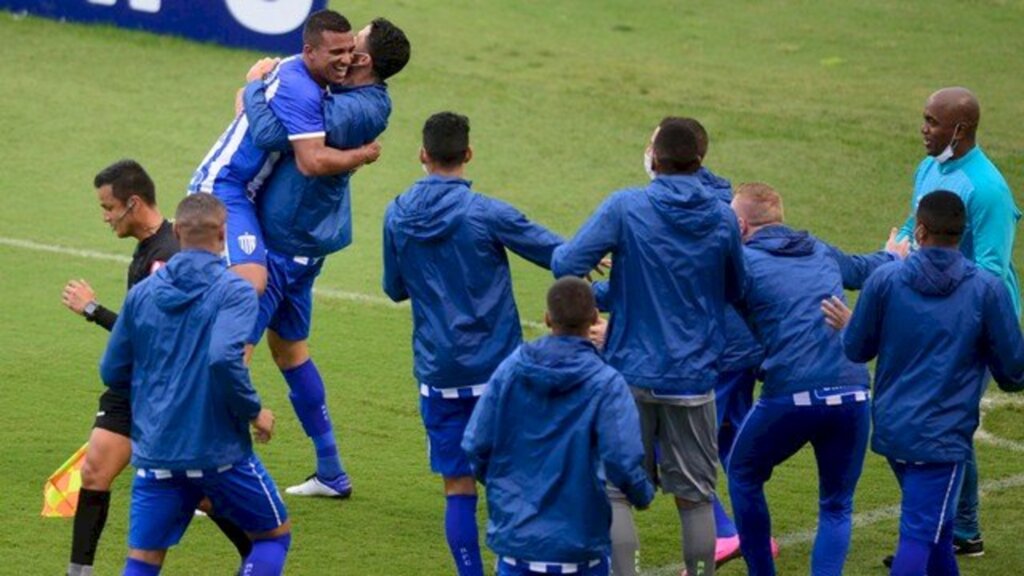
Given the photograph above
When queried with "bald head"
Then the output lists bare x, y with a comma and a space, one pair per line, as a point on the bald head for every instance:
199, 223
958, 102
951, 117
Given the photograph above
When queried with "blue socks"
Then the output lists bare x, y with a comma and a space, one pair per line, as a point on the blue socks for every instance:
267, 556
133, 567
460, 529
724, 528
308, 398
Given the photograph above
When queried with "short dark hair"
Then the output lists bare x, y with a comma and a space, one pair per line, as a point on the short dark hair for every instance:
675, 147
446, 138
127, 178
389, 48
198, 219
571, 304
323, 21
700, 132
943, 215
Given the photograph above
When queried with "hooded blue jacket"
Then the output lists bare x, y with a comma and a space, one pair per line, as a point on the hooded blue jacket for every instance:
177, 348
677, 261
789, 273
554, 423
444, 247
742, 350
312, 216
935, 322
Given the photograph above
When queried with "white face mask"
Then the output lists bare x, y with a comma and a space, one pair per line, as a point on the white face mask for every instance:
425, 171
950, 149
649, 164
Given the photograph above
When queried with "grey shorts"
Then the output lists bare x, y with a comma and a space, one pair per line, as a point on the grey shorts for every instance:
686, 461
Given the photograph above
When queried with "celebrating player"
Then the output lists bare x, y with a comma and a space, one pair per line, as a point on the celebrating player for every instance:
557, 398
177, 349
306, 218
936, 323
235, 166
812, 394
678, 260
445, 249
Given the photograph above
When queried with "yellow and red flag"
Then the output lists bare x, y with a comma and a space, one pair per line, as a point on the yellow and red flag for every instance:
60, 493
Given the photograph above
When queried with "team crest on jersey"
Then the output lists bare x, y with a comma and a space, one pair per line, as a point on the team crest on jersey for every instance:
247, 242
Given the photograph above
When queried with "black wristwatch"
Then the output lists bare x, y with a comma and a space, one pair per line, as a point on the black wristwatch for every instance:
90, 310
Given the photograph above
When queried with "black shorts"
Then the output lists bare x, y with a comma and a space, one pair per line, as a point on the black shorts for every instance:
115, 414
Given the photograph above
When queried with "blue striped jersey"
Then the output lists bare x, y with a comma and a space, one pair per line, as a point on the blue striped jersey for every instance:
235, 162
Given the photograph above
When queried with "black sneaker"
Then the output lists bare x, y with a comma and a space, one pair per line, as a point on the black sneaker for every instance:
971, 547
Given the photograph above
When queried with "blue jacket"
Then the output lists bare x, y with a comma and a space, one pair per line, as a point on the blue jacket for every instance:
554, 423
677, 261
992, 214
742, 351
789, 273
312, 216
444, 247
177, 349
935, 322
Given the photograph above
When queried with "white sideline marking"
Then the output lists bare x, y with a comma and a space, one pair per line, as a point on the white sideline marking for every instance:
329, 293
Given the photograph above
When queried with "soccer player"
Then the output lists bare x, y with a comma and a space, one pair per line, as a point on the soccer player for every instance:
936, 323
955, 162
739, 364
127, 197
235, 166
554, 423
304, 219
677, 261
445, 250
178, 345
812, 393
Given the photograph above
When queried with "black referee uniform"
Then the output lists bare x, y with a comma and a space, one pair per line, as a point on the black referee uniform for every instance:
115, 413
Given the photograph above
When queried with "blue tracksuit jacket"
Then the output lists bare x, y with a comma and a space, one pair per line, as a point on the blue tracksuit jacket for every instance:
742, 351
936, 323
677, 261
789, 273
177, 348
312, 216
444, 247
554, 423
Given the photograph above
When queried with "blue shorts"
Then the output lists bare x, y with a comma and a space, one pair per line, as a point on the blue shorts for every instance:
930, 494
510, 567
286, 307
164, 502
244, 242
445, 420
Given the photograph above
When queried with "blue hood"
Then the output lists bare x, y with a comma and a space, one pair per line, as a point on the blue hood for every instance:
935, 271
185, 279
684, 202
554, 427
783, 241
432, 208
556, 365
721, 187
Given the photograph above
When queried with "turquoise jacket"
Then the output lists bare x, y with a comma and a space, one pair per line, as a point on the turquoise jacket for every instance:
992, 214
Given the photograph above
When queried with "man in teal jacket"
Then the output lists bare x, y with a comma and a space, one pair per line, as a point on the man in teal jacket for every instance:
956, 163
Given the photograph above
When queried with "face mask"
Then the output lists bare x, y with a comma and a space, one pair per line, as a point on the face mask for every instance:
425, 171
649, 164
950, 149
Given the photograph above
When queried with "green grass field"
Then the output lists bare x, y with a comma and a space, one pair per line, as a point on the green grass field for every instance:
820, 98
